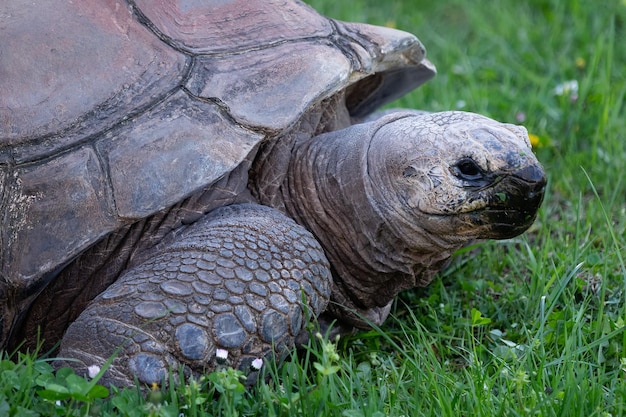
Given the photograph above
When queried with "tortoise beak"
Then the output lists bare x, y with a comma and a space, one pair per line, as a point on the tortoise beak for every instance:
515, 201
529, 184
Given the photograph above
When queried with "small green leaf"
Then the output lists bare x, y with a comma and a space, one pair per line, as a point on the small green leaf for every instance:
4, 408
44, 379
326, 370
98, 391
43, 367
6, 365
10, 379
478, 319
63, 373
55, 394
76, 384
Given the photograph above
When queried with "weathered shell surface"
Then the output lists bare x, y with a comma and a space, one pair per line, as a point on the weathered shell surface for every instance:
111, 111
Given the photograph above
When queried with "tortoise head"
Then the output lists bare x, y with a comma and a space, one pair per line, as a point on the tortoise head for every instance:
468, 175
392, 199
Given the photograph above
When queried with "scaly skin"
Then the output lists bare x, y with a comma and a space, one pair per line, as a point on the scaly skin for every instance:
235, 280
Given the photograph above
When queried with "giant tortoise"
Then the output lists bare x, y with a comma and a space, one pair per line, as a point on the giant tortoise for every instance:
185, 177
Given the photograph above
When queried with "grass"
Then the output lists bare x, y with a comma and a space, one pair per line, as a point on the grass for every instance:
529, 326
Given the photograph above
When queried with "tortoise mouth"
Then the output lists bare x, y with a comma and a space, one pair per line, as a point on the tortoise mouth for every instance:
502, 223
513, 205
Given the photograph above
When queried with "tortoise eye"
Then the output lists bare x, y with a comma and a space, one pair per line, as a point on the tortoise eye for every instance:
467, 169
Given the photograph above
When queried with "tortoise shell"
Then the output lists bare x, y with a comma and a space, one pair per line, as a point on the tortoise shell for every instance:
111, 111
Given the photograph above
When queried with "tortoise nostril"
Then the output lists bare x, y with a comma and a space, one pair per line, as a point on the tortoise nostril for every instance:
532, 174
536, 193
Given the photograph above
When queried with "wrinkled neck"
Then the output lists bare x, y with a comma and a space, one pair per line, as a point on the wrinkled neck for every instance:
375, 249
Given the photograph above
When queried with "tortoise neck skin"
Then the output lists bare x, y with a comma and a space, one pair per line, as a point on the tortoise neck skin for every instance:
393, 199
374, 250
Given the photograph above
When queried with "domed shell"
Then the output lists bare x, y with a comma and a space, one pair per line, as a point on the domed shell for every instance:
111, 111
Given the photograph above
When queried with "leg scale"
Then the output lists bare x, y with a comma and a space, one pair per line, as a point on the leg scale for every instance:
236, 280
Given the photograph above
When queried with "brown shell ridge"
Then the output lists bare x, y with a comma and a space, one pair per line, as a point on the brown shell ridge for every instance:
347, 44
387, 64
52, 152
225, 111
107, 185
269, 89
143, 19
207, 28
184, 49
75, 78
149, 161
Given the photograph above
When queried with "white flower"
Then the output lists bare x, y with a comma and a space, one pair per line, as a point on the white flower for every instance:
221, 354
257, 363
93, 370
458, 69
569, 88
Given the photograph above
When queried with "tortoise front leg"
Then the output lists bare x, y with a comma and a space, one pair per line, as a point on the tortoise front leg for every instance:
234, 280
